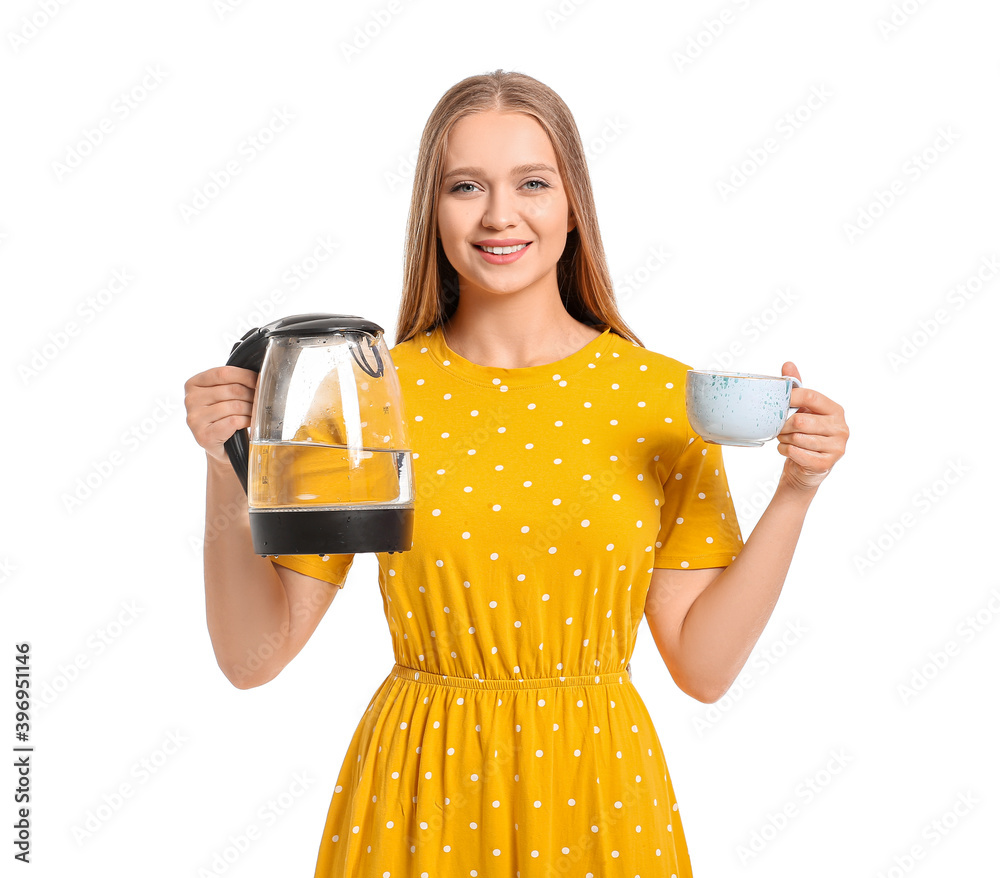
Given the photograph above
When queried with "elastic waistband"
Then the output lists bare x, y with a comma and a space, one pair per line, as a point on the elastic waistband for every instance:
417, 676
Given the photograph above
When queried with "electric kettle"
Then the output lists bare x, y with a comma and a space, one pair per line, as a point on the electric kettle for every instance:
327, 466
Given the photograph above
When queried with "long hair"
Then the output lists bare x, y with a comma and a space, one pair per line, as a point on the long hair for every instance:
430, 283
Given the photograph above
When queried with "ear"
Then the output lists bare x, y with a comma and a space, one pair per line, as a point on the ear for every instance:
571, 224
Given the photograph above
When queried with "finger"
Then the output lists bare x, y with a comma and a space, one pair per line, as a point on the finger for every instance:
224, 375
222, 430
812, 461
808, 441
790, 368
807, 422
813, 401
225, 409
201, 397
202, 419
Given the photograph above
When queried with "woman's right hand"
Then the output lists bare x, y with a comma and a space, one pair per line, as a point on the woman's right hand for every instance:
219, 402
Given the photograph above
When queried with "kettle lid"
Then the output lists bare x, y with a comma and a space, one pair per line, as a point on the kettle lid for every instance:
321, 324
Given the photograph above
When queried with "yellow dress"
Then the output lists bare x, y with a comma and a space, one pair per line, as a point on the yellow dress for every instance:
508, 739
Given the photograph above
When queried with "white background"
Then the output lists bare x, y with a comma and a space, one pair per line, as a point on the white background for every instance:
667, 108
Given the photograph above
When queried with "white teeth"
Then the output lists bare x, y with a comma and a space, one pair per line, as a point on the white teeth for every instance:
501, 250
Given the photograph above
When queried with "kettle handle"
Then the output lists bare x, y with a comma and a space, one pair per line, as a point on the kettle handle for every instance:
247, 353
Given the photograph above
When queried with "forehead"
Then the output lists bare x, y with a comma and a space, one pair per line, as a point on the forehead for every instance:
497, 141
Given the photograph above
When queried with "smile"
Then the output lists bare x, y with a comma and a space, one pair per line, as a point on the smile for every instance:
513, 249
501, 255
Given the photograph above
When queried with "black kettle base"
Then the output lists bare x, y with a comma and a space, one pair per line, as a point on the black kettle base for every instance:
331, 532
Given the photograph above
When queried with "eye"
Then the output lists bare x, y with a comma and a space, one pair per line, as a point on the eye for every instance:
541, 185
458, 186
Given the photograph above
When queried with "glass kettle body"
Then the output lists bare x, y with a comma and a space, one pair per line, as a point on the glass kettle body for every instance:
327, 465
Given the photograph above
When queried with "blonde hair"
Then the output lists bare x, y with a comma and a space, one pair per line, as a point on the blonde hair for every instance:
430, 283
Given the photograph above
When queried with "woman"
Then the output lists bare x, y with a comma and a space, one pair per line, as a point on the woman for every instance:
561, 497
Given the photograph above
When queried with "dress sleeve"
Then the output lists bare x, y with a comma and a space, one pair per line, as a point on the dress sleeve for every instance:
333, 570
698, 526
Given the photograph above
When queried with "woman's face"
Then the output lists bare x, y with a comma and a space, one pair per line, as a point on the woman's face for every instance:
492, 191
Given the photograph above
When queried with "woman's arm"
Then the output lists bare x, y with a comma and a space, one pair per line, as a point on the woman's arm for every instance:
705, 623
259, 614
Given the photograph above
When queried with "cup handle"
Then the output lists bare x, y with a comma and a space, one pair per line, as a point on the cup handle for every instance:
795, 383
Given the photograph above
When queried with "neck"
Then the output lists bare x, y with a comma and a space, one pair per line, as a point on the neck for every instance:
510, 336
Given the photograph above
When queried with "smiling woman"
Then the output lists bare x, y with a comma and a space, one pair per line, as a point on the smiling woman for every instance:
554, 463
561, 497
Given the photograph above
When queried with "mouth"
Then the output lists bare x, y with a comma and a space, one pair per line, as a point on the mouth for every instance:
502, 255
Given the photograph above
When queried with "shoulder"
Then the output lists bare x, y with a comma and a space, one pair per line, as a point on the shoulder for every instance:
406, 352
651, 364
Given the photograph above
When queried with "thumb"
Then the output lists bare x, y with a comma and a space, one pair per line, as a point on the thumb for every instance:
789, 369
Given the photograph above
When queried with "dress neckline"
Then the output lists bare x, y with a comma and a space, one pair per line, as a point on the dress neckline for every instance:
502, 379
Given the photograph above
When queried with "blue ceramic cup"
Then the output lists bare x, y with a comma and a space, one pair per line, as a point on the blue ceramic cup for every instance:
738, 408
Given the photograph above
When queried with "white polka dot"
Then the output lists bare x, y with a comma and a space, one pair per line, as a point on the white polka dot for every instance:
466, 535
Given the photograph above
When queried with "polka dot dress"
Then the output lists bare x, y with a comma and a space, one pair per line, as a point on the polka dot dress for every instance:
508, 738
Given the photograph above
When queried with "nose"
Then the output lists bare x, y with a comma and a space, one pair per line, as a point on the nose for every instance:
500, 212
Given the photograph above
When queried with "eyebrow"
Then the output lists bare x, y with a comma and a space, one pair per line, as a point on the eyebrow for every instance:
514, 172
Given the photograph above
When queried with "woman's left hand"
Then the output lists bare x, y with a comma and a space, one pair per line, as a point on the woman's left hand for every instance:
813, 439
